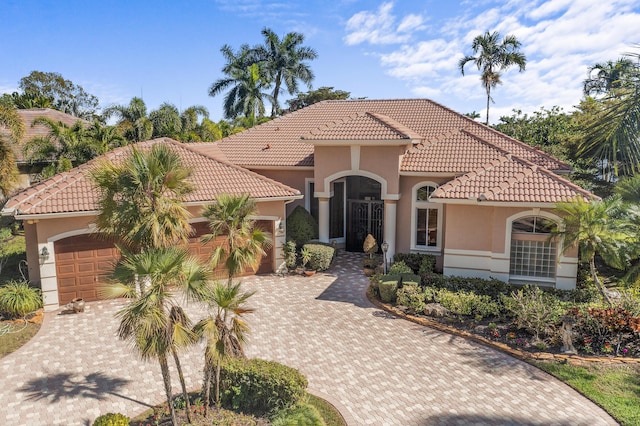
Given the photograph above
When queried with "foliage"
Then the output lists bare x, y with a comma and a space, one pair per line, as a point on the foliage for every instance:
413, 297
10, 120
399, 268
11, 248
418, 262
535, 311
388, 287
301, 226
331, 416
65, 96
133, 121
290, 255
313, 96
607, 330
320, 256
260, 387
18, 299
302, 414
467, 303
492, 57
112, 419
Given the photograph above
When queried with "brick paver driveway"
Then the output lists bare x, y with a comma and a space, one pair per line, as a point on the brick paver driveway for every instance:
376, 369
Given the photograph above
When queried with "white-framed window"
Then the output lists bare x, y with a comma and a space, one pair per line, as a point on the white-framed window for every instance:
426, 218
533, 253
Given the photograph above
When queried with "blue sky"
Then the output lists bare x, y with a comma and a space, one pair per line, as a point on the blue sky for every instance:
169, 51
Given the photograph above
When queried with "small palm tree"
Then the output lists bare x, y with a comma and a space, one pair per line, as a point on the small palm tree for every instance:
225, 332
492, 57
133, 121
596, 227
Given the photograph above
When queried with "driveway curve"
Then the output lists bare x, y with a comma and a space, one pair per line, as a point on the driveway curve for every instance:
376, 369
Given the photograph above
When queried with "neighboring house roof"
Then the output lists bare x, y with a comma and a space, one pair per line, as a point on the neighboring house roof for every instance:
74, 191
280, 143
39, 130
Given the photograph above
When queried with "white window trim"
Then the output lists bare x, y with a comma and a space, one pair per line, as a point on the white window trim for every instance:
509, 236
415, 205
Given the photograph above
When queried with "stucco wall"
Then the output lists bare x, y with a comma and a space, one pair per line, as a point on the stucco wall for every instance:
292, 178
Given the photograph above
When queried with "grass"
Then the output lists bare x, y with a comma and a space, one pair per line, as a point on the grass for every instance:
331, 416
9, 342
616, 388
12, 252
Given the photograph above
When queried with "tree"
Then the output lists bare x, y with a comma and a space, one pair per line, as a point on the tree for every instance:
105, 137
141, 199
28, 101
596, 227
284, 63
609, 76
169, 122
324, 93
10, 120
225, 332
133, 122
492, 57
65, 95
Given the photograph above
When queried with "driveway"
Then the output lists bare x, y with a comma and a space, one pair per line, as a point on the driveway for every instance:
376, 369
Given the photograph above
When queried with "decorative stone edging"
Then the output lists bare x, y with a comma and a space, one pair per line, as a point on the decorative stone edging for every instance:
522, 355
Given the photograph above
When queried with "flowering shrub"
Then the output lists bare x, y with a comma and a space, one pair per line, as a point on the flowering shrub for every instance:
607, 330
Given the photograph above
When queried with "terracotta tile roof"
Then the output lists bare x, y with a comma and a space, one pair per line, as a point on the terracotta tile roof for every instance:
509, 179
73, 191
369, 126
210, 149
28, 116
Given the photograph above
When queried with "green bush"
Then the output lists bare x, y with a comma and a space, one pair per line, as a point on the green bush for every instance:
301, 226
416, 261
388, 288
467, 303
18, 299
410, 278
411, 296
432, 279
300, 415
321, 256
260, 387
400, 268
535, 310
290, 255
112, 419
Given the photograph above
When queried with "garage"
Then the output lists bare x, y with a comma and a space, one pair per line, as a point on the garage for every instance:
83, 261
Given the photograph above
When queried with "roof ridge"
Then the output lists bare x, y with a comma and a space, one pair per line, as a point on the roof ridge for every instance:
395, 125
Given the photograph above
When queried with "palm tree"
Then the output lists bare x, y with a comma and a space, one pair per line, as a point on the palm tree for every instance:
596, 227
166, 121
609, 76
132, 120
225, 332
153, 321
231, 216
493, 56
191, 128
247, 82
284, 63
141, 199
105, 137
63, 147
10, 120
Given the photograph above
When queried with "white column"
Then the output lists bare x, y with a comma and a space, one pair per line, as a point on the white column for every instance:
390, 227
323, 219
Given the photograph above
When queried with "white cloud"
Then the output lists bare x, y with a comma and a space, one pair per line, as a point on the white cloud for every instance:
380, 27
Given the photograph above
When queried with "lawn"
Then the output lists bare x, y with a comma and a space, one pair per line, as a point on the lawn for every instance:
616, 388
14, 335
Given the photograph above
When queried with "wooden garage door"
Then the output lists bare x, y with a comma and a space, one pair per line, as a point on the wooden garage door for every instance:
81, 261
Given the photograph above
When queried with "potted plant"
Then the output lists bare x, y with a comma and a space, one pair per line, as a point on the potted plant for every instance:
305, 256
370, 247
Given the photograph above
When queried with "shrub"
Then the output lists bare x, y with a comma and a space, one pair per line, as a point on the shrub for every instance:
18, 299
290, 255
388, 288
418, 262
400, 268
431, 279
370, 246
320, 256
112, 419
607, 330
467, 303
303, 414
411, 296
301, 226
535, 311
260, 387
409, 278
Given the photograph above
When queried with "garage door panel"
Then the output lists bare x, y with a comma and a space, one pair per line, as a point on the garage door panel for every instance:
67, 283
86, 267
64, 256
66, 269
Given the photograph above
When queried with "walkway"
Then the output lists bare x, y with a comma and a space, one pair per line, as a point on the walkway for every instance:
376, 369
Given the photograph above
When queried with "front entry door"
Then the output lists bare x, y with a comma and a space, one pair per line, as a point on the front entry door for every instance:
365, 217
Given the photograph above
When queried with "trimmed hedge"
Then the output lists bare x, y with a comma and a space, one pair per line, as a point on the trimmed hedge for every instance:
260, 387
463, 303
301, 226
112, 419
303, 414
388, 288
321, 256
418, 262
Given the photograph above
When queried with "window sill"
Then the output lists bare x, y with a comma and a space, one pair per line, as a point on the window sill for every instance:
428, 250
522, 280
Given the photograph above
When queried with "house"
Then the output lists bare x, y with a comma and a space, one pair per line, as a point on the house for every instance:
413, 173
28, 116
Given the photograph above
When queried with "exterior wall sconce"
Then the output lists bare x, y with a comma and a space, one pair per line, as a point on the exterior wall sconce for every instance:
385, 248
44, 253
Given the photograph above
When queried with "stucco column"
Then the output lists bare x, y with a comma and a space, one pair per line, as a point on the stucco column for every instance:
390, 227
323, 219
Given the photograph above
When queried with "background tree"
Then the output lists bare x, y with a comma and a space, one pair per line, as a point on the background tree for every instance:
284, 63
133, 122
311, 97
10, 120
65, 95
603, 78
492, 57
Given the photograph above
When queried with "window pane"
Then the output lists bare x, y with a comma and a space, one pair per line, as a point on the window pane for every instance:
533, 258
336, 207
526, 224
313, 201
421, 227
544, 226
424, 193
433, 227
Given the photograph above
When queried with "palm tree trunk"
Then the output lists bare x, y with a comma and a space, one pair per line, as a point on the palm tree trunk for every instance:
185, 394
599, 284
276, 91
488, 101
218, 368
164, 368
206, 386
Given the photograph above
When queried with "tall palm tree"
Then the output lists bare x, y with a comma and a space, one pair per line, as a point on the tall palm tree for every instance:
246, 81
166, 121
10, 120
153, 321
132, 120
141, 198
105, 137
493, 56
232, 216
225, 332
608, 76
284, 59
596, 227
190, 125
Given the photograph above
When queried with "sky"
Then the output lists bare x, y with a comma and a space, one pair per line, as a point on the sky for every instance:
169, 51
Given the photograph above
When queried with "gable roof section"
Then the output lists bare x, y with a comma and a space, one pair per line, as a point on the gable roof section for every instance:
74, 191
509, 179
369, 126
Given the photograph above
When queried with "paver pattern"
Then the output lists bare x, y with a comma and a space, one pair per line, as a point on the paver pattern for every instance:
376, 369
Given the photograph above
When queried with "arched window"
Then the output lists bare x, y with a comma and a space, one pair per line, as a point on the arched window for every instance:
427, 219
533, 251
